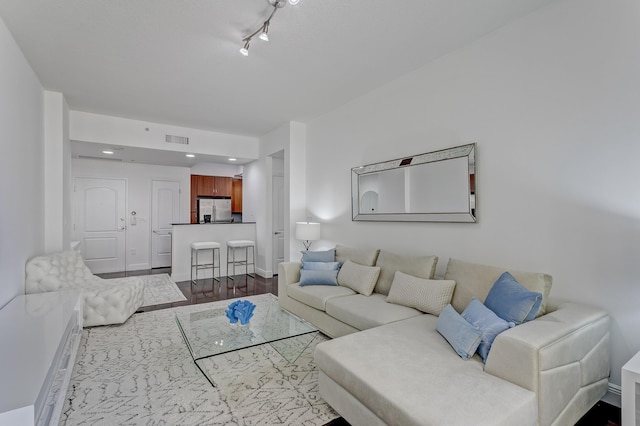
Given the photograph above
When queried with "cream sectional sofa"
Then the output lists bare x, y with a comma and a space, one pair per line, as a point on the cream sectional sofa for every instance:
391, 366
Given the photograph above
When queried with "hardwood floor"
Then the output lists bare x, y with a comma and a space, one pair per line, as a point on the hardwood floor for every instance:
602, 414
208, 290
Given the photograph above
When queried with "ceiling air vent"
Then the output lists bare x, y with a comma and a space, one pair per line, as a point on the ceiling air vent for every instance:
182, 140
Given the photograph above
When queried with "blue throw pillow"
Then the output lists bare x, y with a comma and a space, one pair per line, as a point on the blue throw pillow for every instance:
311, 277
488, 322
319, 256
461, 335
321, 266
511, 301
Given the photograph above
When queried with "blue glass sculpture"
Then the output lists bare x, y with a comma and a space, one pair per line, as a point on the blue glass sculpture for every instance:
240, 310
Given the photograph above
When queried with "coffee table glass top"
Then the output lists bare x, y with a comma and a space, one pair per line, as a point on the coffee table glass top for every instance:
209, 332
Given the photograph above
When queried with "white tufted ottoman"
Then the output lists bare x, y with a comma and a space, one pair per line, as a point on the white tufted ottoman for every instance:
105, 301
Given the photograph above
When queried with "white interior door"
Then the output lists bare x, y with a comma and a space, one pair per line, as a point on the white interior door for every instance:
165, 201
100, 223
278, 221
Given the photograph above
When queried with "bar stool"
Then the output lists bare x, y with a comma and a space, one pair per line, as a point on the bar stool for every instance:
197, 247
234, 245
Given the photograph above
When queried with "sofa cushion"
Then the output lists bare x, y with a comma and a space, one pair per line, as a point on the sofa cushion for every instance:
511, 301
363, 312
358, 277
316, 296
321, 266
463, 336
488, 322
318, 256
430, 296
318, 277
389, 263
473, 280
413, 377
362, 256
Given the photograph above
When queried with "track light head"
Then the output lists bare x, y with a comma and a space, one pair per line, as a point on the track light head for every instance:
265, 30
245, 49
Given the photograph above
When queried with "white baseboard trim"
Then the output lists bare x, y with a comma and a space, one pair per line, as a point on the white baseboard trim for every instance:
264, 273
181, 277
138, 266
613, 395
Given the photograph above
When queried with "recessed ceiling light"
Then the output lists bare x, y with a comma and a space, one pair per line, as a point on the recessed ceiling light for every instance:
232, 159
107, 152
189, 155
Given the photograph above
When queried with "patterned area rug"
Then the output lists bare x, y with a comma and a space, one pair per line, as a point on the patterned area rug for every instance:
141, 373
160, 289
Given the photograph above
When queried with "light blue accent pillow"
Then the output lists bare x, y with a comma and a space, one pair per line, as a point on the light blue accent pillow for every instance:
311, 277
488, 322
461, 335
319, 256
321, 266
511, 301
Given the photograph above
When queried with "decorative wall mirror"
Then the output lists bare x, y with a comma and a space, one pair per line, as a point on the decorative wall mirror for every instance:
437, 186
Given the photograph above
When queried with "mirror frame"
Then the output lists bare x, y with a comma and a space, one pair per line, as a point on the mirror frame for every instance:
468, 151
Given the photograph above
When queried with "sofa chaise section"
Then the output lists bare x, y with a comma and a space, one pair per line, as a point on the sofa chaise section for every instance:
404, 373
560, 361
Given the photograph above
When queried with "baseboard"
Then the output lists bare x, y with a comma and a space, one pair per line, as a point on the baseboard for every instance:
264, 273
138, 266
613, 395
180, 277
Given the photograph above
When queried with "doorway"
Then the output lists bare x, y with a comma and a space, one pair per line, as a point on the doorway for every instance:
165, 211
100, 225
278, 221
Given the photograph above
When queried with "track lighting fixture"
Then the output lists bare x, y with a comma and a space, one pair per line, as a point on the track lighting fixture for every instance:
264, 28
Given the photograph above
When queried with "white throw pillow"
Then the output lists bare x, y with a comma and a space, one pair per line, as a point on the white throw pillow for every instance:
358, 277
430, 296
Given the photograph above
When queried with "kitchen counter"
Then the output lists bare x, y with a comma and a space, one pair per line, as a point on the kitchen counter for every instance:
183, 236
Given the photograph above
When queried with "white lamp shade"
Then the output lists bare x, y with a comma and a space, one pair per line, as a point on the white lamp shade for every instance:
307, 231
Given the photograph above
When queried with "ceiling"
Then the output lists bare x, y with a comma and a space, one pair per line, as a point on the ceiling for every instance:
177, 61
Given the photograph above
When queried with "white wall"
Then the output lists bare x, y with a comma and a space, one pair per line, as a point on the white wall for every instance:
139, 178
214, 169
106, 129
553, 102
57, 172
21, 166
257, 189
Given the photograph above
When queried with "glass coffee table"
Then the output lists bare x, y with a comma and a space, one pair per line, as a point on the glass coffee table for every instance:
209, 333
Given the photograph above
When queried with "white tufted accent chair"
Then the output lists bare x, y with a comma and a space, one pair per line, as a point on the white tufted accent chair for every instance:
110, 301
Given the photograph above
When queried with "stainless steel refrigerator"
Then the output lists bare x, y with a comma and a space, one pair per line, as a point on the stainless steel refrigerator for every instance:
214, 209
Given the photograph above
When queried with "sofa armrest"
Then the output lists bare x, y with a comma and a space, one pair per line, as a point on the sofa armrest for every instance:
288, 273
558, 355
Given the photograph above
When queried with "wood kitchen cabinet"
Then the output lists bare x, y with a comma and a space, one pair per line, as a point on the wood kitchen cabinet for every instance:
236, 195
222, 186
216, 186
209, 186
194, 199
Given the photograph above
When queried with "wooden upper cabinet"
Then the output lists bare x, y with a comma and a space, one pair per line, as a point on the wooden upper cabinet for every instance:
216, 186
209, 186
194, 199
222, 186
205, 185
236, 195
